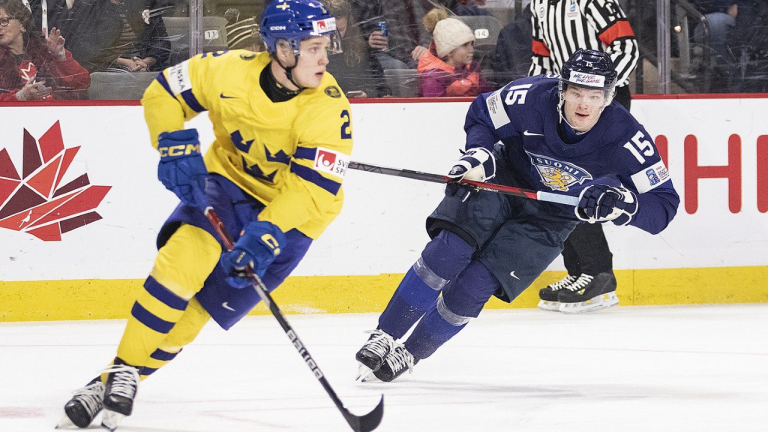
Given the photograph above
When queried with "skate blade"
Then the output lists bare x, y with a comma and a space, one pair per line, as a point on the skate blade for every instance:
363, 372
111, 420
602, 301
65, 423
552, 306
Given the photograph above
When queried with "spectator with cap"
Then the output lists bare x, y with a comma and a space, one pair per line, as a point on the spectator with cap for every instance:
448, 68
33, 67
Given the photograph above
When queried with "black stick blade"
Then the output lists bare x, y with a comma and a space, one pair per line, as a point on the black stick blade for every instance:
368, 422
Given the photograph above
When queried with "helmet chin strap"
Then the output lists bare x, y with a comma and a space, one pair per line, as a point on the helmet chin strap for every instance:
289, 69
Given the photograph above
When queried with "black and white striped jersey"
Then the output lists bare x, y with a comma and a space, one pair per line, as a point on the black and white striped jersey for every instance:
560, 27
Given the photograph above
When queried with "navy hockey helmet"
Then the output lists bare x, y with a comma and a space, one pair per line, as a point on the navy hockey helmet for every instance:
591, 70
296, 20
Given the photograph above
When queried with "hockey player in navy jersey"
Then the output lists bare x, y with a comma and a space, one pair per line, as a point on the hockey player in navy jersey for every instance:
555, 134
274, 175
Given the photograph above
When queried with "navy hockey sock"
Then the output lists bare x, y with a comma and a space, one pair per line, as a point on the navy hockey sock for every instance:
411, 300
431, 333
462, 300
442, 260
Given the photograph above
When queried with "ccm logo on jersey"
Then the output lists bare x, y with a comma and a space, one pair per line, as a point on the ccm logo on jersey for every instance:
179, 150
651, 177
331, 162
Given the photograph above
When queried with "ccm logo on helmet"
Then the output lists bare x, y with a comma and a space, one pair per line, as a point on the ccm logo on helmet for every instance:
277, 28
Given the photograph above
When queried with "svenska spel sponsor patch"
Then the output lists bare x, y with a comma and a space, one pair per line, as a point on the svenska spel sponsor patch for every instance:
331, 162
324, 26
651, 177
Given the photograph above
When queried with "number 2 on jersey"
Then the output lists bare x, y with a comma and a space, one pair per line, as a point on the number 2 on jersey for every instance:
638, 145
345, 131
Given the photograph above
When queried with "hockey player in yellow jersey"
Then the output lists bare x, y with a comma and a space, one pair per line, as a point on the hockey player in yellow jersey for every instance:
283, 137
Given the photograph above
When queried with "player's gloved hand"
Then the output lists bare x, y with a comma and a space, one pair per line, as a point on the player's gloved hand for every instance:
259, 244
602, 203
477, 164
182, 170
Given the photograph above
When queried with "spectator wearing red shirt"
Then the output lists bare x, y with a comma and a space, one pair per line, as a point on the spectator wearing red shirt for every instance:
33, 67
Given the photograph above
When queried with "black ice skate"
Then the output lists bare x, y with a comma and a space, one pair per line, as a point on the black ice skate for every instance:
119, 393
85, 404
589, 293
371, 355
548, 295
395, 364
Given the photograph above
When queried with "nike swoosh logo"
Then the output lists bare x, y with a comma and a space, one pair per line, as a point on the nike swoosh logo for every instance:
512, 273
526, 133
226, 306
227, 97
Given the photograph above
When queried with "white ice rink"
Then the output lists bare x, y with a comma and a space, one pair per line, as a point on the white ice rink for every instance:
693, 368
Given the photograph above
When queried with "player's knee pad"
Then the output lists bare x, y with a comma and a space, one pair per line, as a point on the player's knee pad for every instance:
443, 259
186, 260
469, 293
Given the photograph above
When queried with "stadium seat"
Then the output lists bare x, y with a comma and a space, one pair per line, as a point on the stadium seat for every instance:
214, 36
402, 82
119, 85
485, 27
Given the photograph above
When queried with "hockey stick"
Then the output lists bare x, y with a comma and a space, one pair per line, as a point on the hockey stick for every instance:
365, 423
490, 187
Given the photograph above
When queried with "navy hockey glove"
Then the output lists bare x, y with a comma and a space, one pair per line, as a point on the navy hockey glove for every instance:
182, 170
259, 244
602, 203
477, 164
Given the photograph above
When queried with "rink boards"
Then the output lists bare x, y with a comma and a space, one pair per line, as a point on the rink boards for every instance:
713, 252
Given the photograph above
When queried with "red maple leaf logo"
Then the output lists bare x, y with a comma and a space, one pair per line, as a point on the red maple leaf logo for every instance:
34, 203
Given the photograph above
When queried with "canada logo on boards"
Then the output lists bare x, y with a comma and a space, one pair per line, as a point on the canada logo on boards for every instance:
35, 202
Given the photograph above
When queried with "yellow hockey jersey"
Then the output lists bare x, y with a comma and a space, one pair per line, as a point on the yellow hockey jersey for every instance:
291, 156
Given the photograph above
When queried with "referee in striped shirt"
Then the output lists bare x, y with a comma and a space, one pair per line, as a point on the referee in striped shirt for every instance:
560, 27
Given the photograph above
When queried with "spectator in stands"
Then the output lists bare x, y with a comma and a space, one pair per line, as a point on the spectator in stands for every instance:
448, 68
721, 16
242, 33
466, 7
33, 67
512, 57
57, 15
749, 43
407, 39
352, 68
119, 34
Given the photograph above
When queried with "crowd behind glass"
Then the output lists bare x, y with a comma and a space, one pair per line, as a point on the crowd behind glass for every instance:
112, 49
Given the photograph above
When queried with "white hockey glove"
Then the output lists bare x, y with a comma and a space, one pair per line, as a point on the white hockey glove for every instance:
602, 203
477, 164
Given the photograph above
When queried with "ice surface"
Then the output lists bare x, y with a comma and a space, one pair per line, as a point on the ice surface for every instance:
681, 368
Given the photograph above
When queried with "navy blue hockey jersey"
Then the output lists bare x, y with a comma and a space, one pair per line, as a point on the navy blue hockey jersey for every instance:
523, 116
